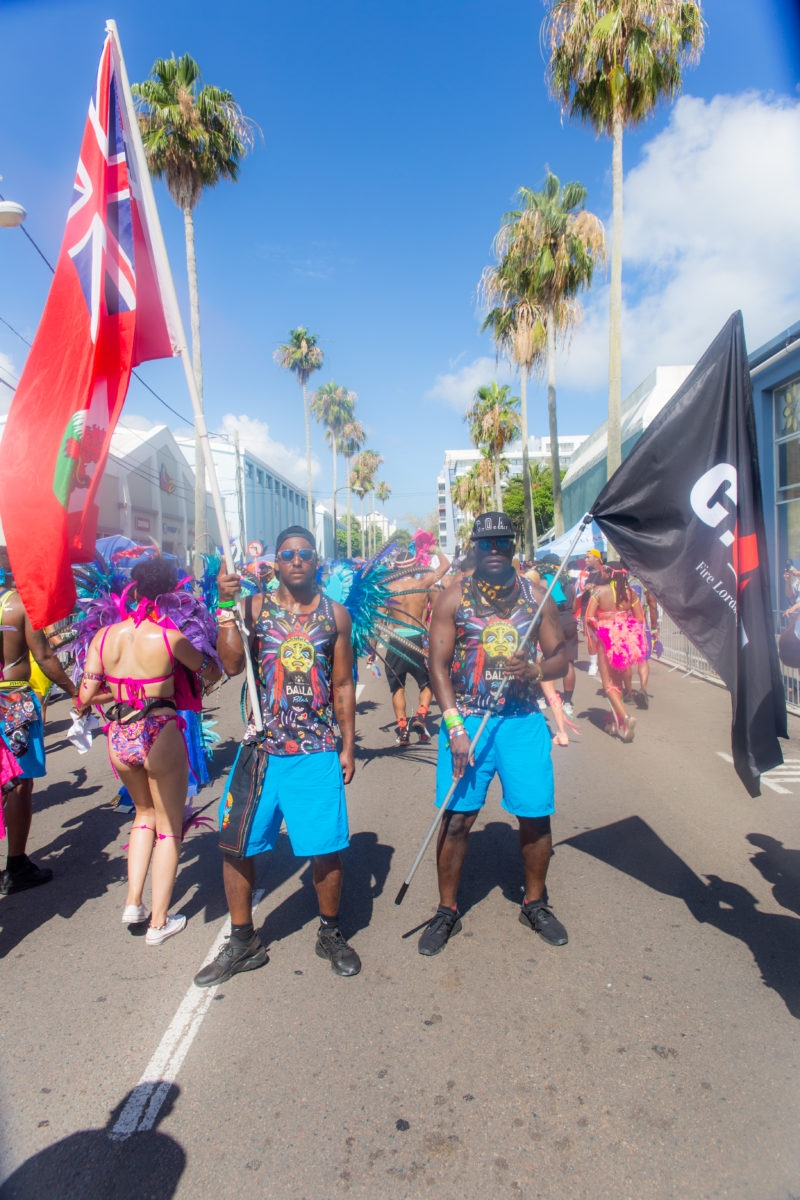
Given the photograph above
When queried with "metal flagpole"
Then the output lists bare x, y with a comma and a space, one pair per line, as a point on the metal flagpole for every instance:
479, 731
170, 299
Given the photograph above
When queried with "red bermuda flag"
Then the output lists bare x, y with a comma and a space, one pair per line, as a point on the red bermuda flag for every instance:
105, 313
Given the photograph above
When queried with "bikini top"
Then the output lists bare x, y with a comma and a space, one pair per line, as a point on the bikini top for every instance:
134, 688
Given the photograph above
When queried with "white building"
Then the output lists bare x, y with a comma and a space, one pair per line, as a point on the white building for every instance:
147, 491
376, 520
586, 476
258, 500
459, 462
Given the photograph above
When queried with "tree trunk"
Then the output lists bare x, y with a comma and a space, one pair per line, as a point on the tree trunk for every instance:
614, 457
530, 542
312, 524
200, 525
349, 528
555, 458
498, 492
335, 544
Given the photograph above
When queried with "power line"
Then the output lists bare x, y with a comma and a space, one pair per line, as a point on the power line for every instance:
42, 255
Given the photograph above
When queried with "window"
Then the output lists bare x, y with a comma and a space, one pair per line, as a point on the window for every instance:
260, 478
787, 470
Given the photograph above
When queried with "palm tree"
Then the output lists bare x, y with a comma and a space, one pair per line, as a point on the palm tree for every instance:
514, 317
383, 491
552, 239
350, 442
193, 137
366, 465
494, 422
333, 407
359, 483
611, 61
302, 356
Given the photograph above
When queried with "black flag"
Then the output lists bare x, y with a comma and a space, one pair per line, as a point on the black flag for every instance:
684, 511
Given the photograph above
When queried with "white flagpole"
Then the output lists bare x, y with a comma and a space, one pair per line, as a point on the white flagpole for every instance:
170, 299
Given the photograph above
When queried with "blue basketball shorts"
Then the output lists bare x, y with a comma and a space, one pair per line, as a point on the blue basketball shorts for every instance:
307, 792
515, 748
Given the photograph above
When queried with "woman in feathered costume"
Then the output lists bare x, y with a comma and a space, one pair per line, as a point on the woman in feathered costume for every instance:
149, 663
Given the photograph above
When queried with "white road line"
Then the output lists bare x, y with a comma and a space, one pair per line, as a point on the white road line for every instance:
359, 689
767, 779
146, 1099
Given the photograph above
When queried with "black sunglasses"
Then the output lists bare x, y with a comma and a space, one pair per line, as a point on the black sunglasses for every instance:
287, 555
503, 544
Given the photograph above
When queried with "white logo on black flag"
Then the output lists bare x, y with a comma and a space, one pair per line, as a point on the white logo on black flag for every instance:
684, 511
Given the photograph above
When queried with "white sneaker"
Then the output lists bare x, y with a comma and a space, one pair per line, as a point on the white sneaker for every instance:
154, 937
542, 704
568, 708
134, 914
592, 667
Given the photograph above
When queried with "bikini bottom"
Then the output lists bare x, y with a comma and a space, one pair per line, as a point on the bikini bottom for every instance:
132, 741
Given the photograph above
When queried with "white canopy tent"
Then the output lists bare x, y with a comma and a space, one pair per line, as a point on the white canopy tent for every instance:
591, 539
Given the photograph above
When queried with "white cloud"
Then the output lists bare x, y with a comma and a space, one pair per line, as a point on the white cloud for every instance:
254, 436
457, 388
710, 225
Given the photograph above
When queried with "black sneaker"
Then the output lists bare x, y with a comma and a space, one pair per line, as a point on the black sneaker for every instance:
402, 737
538, 917
445, 924
417, 725
642, 700
26, 876
235, 956
331, 945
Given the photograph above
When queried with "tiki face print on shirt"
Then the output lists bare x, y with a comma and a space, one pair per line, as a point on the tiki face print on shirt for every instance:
294, 656
485, 641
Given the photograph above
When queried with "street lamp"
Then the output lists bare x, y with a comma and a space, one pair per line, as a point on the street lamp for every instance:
11, 214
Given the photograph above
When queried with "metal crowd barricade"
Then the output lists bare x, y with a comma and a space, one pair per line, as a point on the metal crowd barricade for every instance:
680, 654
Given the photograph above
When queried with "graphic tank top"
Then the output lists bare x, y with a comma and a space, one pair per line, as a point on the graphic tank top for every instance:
293, 653
485, 640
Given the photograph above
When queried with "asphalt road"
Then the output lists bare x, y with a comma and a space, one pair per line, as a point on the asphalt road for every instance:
654, 1057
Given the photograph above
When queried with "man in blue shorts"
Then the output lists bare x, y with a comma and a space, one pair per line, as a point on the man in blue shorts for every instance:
476, 630
303, 660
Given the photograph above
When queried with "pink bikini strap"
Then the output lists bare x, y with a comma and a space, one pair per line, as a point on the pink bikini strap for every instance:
102, 644
169, 648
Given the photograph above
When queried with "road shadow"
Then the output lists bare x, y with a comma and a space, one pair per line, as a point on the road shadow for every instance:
780, 867
493, 861
631, 846
366, 868
85, 862
48, 795
91, 1163
599, 717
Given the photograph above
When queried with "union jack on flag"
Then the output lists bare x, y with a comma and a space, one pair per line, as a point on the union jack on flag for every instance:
107, 311
99, 229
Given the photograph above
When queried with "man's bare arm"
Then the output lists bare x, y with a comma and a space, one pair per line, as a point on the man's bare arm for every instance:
230, 646
40, 648
441, 644
344, 690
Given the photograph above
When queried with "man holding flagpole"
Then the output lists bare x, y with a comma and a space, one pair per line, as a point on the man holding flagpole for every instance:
477, 626
293, 772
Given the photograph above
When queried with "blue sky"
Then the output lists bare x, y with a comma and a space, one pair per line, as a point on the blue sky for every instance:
395, 135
